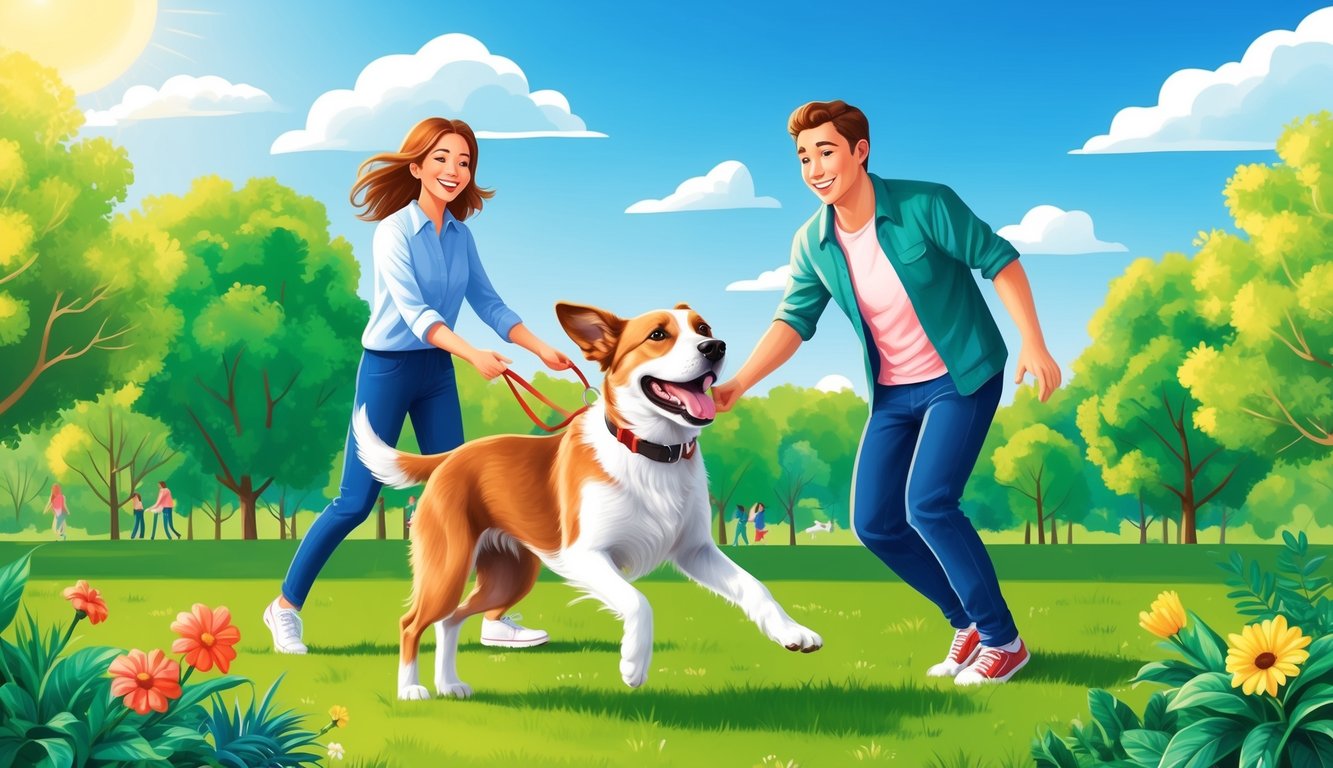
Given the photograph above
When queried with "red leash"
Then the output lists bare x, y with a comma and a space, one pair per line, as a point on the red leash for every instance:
511, 378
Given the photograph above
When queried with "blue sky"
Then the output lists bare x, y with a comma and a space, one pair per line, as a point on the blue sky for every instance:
988, 100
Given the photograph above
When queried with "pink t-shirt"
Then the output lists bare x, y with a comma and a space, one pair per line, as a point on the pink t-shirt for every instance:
906, 356
163, 498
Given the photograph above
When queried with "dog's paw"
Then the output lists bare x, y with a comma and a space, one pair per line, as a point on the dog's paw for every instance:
633, 673
413, 693
455, 690
799, 638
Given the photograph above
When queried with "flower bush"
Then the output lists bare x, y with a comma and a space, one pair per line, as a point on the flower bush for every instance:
1264, 697
101, 706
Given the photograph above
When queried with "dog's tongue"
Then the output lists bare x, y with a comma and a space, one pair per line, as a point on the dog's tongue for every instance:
696, 401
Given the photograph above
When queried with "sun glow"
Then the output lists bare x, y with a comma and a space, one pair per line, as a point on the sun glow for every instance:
89, 43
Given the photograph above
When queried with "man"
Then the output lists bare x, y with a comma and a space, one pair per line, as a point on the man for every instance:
897, 257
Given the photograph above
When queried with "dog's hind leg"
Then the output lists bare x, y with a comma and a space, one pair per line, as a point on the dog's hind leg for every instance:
442, 550
505, 574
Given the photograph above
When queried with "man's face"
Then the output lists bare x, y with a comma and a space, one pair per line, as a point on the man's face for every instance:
829, 166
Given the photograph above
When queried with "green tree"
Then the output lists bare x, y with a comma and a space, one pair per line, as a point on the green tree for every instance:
1292, 495
258, 387
1139, 427
802, 471
24, 478
1043, 469
113, 450
80, 308
1268, 384
740, 450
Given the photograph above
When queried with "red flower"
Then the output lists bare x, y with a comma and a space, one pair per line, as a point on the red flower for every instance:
206, 637
146, 681
87, 601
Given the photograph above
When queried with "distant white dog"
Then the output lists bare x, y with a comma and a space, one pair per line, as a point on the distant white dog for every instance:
819, 527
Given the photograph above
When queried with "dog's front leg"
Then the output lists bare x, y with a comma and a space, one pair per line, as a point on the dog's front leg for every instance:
705, 563
596, 574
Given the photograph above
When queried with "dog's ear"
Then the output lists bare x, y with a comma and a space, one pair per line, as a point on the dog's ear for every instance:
596, 331
683, 305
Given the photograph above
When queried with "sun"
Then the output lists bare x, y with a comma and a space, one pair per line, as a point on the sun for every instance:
89, 42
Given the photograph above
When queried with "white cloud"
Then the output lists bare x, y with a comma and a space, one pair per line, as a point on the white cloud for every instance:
834, 383
182, 96
728, 185
452, 76
1047, 229
1241, 105
774, 280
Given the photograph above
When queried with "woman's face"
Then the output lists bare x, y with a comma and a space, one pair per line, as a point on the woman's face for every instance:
447, 169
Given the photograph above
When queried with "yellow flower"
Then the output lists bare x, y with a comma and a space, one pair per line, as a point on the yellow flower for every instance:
1263, 656
338, 714
1167, 616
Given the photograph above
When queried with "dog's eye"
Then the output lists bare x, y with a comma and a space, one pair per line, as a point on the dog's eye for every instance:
704, 330
657, 335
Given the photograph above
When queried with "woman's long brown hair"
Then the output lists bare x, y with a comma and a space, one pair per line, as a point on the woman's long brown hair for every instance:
385, 183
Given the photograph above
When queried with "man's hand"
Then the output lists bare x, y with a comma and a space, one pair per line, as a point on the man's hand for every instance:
726, 395
1037, 360
488, 363
554, 359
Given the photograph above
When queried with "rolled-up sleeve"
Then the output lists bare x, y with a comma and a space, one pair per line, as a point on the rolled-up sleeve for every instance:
958, 232
483, 299
393, 265
806, 295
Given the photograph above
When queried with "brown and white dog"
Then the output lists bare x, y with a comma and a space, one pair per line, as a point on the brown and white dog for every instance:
611, 498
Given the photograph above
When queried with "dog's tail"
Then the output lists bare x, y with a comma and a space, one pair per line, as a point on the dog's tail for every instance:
389, 465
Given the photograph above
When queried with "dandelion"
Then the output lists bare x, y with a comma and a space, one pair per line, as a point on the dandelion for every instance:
1263, 656
87, 602
336, 750
207, 637
339, 715
1166, 616
147, 681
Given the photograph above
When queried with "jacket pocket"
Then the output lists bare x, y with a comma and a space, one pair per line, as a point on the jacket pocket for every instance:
912, 253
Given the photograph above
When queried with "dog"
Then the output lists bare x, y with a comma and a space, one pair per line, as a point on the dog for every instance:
819, 527
611, 498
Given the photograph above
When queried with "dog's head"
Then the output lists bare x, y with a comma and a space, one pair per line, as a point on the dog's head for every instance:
658, 365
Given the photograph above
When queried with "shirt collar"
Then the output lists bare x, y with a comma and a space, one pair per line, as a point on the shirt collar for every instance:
420, 219
886, 209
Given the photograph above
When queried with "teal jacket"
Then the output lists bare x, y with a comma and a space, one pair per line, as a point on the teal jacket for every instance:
934, 241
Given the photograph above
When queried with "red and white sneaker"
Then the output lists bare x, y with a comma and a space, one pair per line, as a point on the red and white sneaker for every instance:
994, 665
966, 645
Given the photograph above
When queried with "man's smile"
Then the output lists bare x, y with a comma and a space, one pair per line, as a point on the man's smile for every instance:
824, 184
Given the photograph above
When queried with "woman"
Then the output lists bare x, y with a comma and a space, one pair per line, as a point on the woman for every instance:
136, 502
56, 503
425, 265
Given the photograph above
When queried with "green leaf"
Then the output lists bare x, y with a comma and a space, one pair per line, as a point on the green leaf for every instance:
13, 578
1169, 672
1262, 744
1156, 716
1315, 698
1050, 751
1310, 751
1145, 747
74, 680
1206, 646
1213, 692
16, 702
1114, 716
59, 753
1203, 744
1318, 668
124, 744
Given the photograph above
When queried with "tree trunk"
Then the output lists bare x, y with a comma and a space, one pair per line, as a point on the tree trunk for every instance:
1041, 526
791, 520
1222, 537
113, 493
189, 526
217, 519
1166, 529
1027, 533
247, 496
1180, 530
1143, 522
1069, 531
1055, 538
295, 512
380, 532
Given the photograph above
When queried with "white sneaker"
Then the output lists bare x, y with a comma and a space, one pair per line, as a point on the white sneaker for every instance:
285, 624
508, 633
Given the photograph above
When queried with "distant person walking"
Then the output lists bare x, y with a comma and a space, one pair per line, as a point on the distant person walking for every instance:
59, 508
740, 534
137, 503
408, 510
757, 516
165, 503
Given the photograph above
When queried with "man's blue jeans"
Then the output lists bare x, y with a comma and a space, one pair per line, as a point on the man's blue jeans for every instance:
392, 386
919, 447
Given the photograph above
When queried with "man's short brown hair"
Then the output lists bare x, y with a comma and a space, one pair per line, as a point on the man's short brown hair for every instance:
849, 121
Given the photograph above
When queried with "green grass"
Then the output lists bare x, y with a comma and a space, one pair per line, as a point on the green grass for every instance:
718, 693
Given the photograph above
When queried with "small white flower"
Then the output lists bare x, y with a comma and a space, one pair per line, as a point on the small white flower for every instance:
336, 750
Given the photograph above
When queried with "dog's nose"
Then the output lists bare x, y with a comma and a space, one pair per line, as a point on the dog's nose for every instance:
713, 349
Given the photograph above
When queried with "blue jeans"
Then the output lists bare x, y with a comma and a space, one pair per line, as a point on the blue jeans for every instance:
138, 531
919, 447
392, 386
167, 527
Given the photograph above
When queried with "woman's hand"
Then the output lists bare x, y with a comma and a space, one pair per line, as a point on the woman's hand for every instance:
554, 358
489, 363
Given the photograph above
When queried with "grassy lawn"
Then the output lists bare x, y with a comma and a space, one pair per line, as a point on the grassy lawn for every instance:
718, 694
